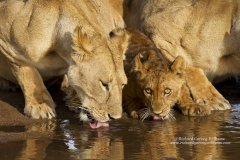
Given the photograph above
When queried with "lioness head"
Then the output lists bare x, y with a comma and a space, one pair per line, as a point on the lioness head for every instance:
158, 83
97, 75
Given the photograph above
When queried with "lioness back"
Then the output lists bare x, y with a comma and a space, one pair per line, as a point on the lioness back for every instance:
205, 33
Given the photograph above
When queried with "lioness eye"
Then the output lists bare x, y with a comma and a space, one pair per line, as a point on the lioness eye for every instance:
105, 85
167, 91
148, 91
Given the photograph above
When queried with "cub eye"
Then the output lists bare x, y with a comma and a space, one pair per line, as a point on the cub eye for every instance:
167, 91
148, 91
104, 85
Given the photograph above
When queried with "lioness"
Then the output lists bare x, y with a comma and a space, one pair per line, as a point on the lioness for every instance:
206, 33
155, 84
42, 39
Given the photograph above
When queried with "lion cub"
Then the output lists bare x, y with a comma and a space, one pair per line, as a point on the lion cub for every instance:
155, 85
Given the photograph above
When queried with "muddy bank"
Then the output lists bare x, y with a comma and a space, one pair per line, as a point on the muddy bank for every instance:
10, 116
14, 126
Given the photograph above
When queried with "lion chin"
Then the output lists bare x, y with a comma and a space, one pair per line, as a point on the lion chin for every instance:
86, 117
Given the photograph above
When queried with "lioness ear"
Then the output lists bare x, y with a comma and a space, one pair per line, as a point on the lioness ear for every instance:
120, 37
178, 65
83, 40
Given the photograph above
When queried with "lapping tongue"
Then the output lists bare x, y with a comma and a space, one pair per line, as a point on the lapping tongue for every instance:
97, 124
157, 118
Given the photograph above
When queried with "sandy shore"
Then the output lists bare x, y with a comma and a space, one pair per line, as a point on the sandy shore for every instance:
10, 116
14, 126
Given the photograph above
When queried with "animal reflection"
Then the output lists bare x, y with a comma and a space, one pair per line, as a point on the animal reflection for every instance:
89, 144
160, 142
152, 140
35, 147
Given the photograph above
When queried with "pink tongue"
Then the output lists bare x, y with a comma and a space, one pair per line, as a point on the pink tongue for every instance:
157, 118
97, 124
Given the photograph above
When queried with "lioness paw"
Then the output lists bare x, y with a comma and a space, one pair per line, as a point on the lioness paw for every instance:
43, 127
219, 104
196, 110
38, 111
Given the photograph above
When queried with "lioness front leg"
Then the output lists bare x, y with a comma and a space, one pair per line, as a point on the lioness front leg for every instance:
201, 93
209, 96
38, 102
195, 110
202, 101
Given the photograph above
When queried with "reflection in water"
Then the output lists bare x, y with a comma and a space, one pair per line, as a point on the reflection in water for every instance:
91, 144
130, 139
36, 148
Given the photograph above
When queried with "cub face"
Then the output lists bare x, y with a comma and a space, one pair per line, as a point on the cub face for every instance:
158, 83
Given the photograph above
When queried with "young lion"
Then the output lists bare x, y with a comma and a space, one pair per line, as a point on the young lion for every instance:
155, 85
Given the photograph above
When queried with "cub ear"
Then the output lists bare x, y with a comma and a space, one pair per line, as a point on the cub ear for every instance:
82, 40
65, 83
119, 37
178, 65
138, 65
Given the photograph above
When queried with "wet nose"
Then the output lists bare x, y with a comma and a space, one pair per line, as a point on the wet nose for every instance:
114, 116
157, 111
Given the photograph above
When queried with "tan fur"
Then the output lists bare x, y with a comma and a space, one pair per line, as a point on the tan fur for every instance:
43, 39
188, 87
204, 32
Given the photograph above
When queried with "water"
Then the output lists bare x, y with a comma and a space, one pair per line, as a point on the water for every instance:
213, 137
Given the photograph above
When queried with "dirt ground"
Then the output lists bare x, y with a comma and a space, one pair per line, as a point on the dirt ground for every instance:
15, 126
10, 116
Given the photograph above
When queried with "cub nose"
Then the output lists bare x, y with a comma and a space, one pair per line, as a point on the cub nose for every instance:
115, 116
157, 110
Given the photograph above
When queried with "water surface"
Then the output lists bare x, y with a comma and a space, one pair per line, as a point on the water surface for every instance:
213, 137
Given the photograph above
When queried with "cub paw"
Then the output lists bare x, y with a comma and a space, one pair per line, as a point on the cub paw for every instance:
134, 115
196, 110
38, 111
